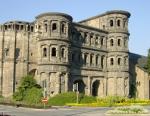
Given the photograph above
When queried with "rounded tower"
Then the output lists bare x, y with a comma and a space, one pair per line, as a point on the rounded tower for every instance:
53, 32
118, 53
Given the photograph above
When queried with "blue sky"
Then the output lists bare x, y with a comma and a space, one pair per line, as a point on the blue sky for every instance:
139, 24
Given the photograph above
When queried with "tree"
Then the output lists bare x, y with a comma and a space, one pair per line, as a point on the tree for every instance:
27, 83
148, 62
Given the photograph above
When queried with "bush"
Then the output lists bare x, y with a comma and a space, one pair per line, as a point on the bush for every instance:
62, 99
88, 99
33, 96
70, 97
28, 90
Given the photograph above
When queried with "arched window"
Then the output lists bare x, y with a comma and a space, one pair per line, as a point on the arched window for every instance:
63, 52
96, 41
54, 27
111, 42
118, 23
119, 61
85, 58
111, 23
6, 52
63, 28
102, 61
53, 51
91, 59
126, 60
119, 42
44, 52
104, 27
111, 61
102, 41
45, 27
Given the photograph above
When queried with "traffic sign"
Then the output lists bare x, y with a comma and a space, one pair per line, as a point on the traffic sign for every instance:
44, 100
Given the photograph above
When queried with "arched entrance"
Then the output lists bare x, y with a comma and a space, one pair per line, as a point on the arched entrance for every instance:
81, 86
32, 72
95, 88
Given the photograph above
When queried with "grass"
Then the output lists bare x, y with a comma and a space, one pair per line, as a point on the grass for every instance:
70, 100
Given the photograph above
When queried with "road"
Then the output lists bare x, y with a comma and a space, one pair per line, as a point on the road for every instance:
57, 111
68, 111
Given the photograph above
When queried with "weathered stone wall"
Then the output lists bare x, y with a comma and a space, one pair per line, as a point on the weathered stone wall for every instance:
61, 53
142, 83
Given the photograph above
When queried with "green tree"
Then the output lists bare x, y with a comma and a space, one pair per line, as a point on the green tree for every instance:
27, 83
148, 62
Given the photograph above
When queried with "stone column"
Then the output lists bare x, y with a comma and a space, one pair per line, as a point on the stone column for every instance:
89, 86
105, 86
66, 82
58, 82
48, 28
88, 59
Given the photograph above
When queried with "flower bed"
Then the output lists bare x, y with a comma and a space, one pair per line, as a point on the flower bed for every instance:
128, 110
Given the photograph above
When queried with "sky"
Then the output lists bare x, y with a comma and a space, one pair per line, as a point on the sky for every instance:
139, 22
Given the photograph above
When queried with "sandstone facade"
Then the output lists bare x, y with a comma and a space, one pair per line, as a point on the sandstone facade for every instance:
60, 53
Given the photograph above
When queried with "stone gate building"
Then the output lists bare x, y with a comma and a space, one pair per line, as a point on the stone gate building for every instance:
60, 53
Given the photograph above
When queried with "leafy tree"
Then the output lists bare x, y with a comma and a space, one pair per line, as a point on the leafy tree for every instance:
27, 83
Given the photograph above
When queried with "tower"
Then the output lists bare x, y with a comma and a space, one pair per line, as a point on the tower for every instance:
53, 33
117, 59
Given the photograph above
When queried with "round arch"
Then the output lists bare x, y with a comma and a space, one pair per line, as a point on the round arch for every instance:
95, 87
81, 86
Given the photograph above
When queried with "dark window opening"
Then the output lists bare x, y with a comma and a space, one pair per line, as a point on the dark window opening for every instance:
96, 41
103, 26
102, 41
111, 61
17, 27
79, 85
119, 61
85, 58
119, 42
45, 27
63, 28
32, 28
39, 26
9, 26
28, 28
91, 59
6, 52
17, 52
53, 51
111, 23
44, 52
118, 23
111, 42
63, 52
96, 60
21, 27
102, 61
54, 26
95, 88
5, 27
